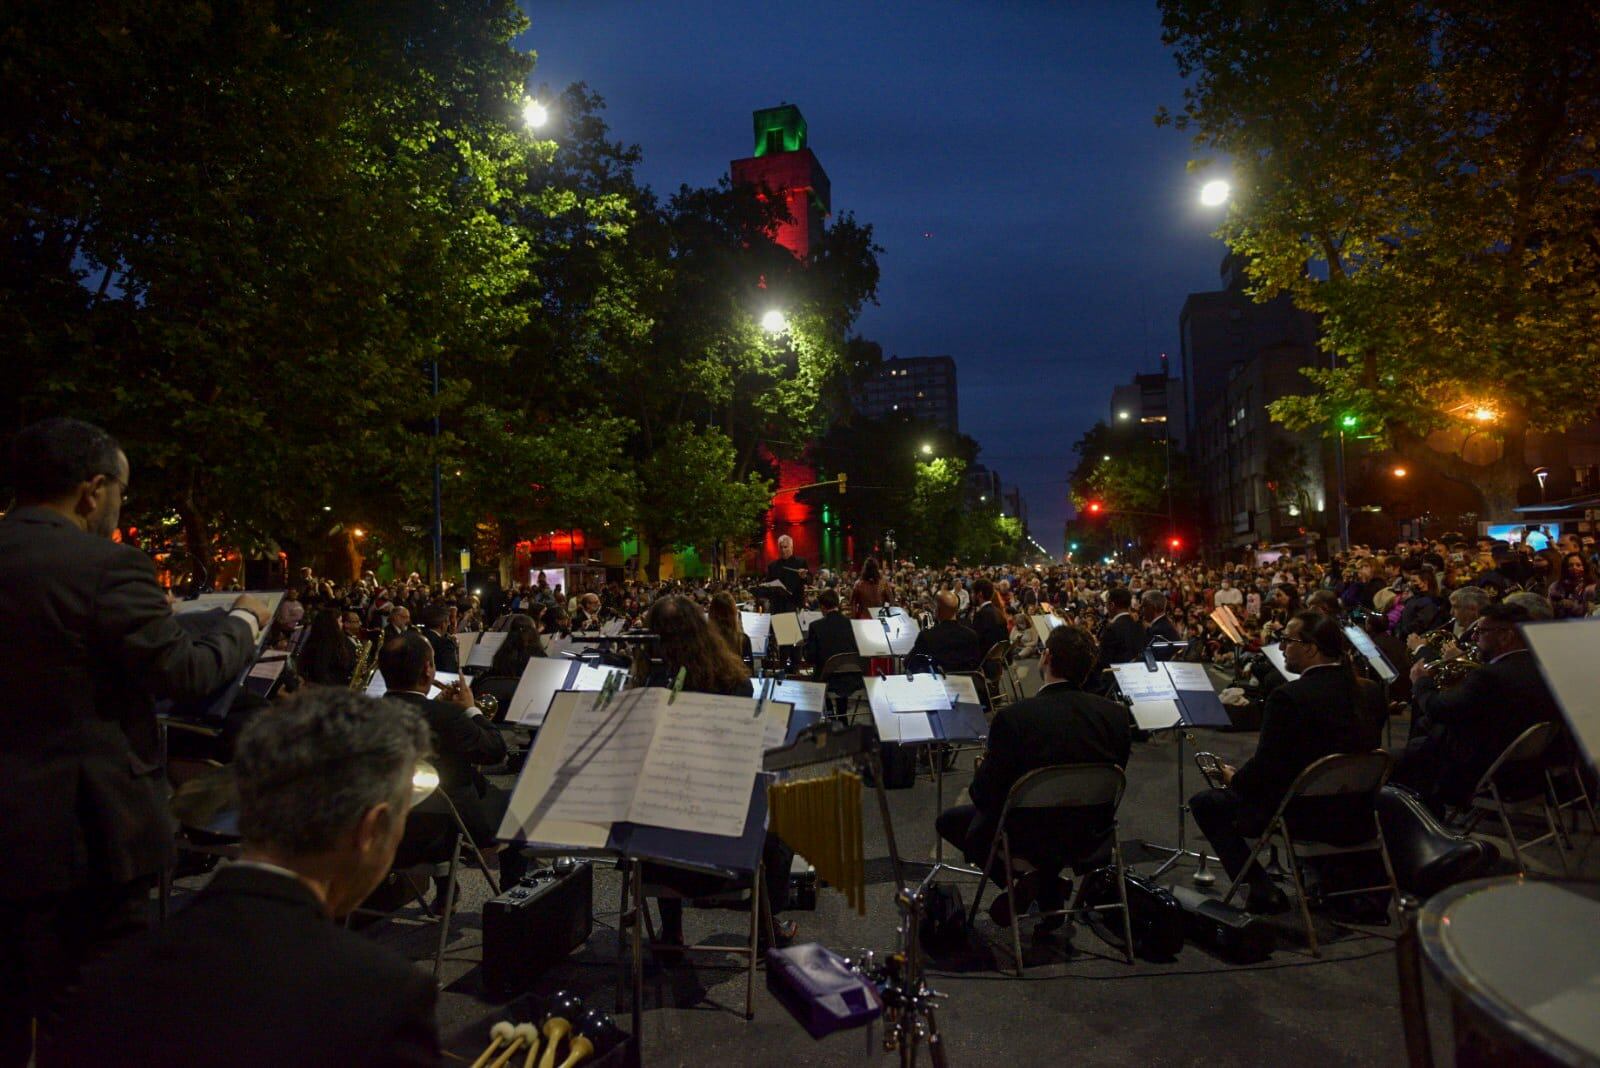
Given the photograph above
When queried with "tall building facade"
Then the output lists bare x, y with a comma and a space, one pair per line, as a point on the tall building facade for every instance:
1152, 403
1256, 480
921, 388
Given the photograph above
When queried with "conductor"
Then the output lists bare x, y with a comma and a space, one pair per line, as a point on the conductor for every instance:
790, 571
83, 818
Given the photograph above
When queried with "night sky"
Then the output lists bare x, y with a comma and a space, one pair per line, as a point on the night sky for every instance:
1062, 230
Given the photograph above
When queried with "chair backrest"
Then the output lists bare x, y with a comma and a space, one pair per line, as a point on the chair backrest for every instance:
1531, 744
842, 664
1067, 786
999, 653
1341, 774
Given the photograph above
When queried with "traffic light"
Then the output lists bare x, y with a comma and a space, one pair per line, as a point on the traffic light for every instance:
1349, 421
1095, 508
1073, 547
841, 483
1175, 543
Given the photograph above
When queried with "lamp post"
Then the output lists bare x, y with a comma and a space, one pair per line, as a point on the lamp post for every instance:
888, 545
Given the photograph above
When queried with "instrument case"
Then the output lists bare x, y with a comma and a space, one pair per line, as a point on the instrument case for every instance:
534, 925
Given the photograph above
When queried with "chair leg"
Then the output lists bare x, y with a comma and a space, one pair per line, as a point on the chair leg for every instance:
1300, 891
758, 897
1511, 835
1388, 867
449, 908
1122, 892
1011, 899
1556, 837
623, 919
1261, 843
983, 880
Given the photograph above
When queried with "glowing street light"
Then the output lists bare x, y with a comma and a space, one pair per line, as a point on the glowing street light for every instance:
1105, 457
1399, 472
927, 450
534, 114
774, 322
1122, 414
1483, 414
1215, 193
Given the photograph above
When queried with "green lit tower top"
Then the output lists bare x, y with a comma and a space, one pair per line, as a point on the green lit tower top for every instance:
784, 166
779, 129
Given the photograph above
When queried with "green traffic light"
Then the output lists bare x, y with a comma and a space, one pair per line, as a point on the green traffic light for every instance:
1349, 422
1074, 546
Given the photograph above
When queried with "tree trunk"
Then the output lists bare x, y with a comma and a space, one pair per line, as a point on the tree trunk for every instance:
197, 539
1496, 484
652, 564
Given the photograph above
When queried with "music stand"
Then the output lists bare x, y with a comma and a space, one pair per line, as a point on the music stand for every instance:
1154, 692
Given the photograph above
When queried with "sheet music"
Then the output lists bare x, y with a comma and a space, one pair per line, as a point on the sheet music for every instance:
556, 647
961, 689
599, 764
483, 650
269, 669
915, 727
786, 628
1224, 618
885, 637
613, 627
757, 627
1139, 683
464, 643
1156, 715
380, 686
524, 819
208, 602
1567, 651
542, 678
1368, 648
1044, 624
1188, 676
806, 696
699, 768
1274, 654
775, 724
807, 618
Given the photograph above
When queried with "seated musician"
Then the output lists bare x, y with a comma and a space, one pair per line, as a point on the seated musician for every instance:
328, 657
510, 660
463, 740
951, 644
1158, 625
436, 629
724, 616
827, 638
1461, 729
687, 642
1466, 605
989, 619
1061, 724
1321, 712
255, 970
590, 615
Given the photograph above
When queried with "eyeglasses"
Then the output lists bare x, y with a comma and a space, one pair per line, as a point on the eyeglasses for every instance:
1295, 641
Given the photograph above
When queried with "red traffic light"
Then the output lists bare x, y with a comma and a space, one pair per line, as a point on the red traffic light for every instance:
1095, 507
1176, 543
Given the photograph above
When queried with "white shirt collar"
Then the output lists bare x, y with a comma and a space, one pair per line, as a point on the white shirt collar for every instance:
1508, 652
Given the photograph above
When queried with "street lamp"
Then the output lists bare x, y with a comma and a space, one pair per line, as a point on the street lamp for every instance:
927, 450
1399, 472
1122, 414
1215, 193
774, 322
534, 114
1105, 457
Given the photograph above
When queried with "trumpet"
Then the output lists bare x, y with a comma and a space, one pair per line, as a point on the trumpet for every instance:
1449, 672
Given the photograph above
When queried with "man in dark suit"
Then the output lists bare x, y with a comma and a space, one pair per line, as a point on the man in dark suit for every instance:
90, 644
463, 740
952, 645
1123, 638
988, 618
255, 971
436, 629
399, 623
1061, 724
1157, 624
789, 571
1304, 720
827, 638
1460, 731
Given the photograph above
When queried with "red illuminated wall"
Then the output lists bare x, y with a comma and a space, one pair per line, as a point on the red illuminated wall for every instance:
792, 516
801, 181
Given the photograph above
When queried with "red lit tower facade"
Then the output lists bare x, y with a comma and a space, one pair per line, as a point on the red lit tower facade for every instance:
787, 168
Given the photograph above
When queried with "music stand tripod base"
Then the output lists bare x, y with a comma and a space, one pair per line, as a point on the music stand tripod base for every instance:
1203, 876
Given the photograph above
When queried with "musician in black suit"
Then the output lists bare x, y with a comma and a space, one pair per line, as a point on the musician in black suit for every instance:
827, 637
1158, 626
1061, 724
399, 623
791, 571
1304, 720
952, 645
988, 619
436, 629
1123, 638
90, 644
463, 741
255, 971
1459, 731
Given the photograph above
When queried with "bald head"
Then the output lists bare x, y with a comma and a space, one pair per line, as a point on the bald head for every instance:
946, 605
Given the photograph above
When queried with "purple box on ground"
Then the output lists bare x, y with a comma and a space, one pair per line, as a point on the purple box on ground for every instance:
818, 989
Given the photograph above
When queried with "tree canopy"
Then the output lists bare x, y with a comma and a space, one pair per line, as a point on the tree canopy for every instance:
1422, 177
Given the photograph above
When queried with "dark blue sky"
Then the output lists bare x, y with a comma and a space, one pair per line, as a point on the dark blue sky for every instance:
1065, 231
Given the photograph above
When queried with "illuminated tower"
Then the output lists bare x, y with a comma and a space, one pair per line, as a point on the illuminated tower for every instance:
789, 169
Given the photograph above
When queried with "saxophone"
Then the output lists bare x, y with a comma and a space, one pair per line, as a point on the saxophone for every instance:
366, 659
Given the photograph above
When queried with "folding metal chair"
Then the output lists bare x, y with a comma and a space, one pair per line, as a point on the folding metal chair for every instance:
1491, 794
1336, 775
845, 665
446, 870
998, 675
1062, 787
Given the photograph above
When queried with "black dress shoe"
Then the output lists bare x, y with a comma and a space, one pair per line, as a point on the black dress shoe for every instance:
1265, 900
1024, 889
786, 930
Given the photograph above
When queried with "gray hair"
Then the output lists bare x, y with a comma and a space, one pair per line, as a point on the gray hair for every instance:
1154, 600
309, 768
1537, 607
1470, 596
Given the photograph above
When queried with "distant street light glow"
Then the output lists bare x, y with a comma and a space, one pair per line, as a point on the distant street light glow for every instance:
927, 450
1400, 472
1215, 193
1483, 415
534, 114
774, 322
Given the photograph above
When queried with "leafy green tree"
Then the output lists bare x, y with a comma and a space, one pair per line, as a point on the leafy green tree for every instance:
1434, 165
690, 494
933, 528
237, 236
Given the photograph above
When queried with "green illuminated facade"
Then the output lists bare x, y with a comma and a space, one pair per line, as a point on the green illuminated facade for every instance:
779, 129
